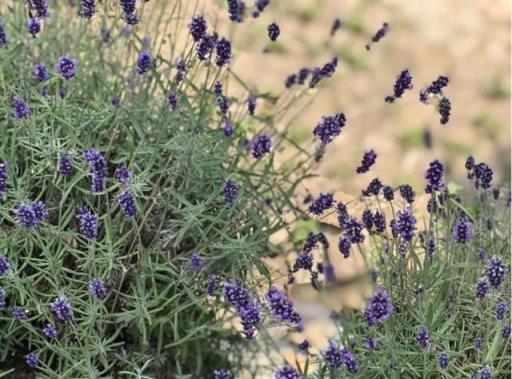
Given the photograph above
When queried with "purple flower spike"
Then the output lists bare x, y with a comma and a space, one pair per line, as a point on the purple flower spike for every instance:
330, 127
20, 107
5, 265
281, 306
403, 83
66, 67
273, 31
144, 61
260, 145
4, 166
62, 310
379, 307
197, 28
321, 204
30, 214
123, 175
50, 331
127, 203
287, 372
97, 288
462, 231
32, 360
368, 160
34, 26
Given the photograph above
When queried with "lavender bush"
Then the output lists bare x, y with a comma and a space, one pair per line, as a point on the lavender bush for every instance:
138, 197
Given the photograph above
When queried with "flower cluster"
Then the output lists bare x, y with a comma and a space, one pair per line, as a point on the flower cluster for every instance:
436, 88
287, 372
66, 67
496, 271
230, 191
321, 204
20, 107
380, 34
4, 167
434, 177
34, 26
62, 309
422, 338
144, 61
88, 223
335, 357
88, 8
369, 159
260, 145
379, 307
373, 188
403, 83
481, 173
247, 308
330, 127
273, 31
404, 225
281, 307
462, 231
30, 213
127, 203
98, 166
5, 265
97, 288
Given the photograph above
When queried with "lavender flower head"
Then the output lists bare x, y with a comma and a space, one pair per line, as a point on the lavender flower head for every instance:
50, 331
336, 25
444, 108
223, 48
260, 145
403, 83
97, 288
335, 357
462, 231
304, 346
373, 188
5, 265
251, 104
3, 36
353, 229
206, 46
41, 8
195, 262
404, 224
321, 204
482, 288
326, 71
434, 177
344, 245
371, 343
281, 307
501, 310
123, 175
144, 61
2, 299
228, 128
388, 193
247, 308
287, 372
436, 87
20, 107
444, 360
381, 33
66, 67
62, 310
197, 28
88, 223
18, 313
422, 338
485, 372
407, 193
368, 161
40, 72
88, 8
273, 31
34, 26
127, 203
496, 271
330, 127
379, 307
98, 166
30, 213
4, 166
172, 99
32, 360
222, 374
230, 191
211, 284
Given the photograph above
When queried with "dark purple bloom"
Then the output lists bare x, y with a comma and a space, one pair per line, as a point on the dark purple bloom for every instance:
248, 309
407, 193
344, 245
333, 356
98, 166
379, 307
230, 191
371, 343
336, 25
404, 225
261, 5
97, 288
251, 104
273, 31
260, 145
2, 299
50, 331
482, 288
88, 223
481, 173
373, 188
223, 48
381, 33
478, 343
197, 28
342, 211
127, 203
217, 88
430, 245
501, 310
195, 262
422, 337
144, 61
349, 360
5, 265
505, 333
223, 104
496, 271
304, 346
206, 46
379, 222
330, 127
444, 360
66, 67
18, 313
368, 161
32, 360
481, 254
367, 219
462, 231
65, 166
123, 175
290, 80
436, 87
182, 70
444, 108
88, 8
20, 107
303, 261
40, 72
281, 307
303, 74
353, 230
326, 71
388, 193
172, 99
34, 26
236, 9
434, 177
228, 128
30, 213
3, 36
486, 372
131, 18
287, 372
41, 7
211, 284
321, 204
128, 6
4, 166
62, 310
403, 83
222, 374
